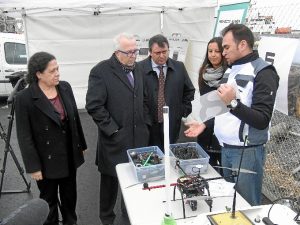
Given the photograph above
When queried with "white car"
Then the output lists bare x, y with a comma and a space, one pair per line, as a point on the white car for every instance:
13, 58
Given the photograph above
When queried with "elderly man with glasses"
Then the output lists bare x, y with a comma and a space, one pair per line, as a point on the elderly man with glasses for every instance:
166, 83
115, 100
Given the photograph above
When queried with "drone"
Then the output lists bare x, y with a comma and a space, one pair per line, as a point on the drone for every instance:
195, 185
191, 186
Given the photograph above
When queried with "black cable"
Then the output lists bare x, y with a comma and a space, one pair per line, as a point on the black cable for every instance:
296, 218
280, 199
182, 170
237, 179
270, 210
174, 192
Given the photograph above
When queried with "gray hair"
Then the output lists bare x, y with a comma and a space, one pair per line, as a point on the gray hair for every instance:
119, 37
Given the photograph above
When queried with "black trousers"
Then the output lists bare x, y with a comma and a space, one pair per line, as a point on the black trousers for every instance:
109, 186
157, 135
66, 188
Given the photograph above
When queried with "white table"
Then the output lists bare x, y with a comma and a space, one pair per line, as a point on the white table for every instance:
279, 215
146, 207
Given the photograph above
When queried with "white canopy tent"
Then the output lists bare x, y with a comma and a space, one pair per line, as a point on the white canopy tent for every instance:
80, 34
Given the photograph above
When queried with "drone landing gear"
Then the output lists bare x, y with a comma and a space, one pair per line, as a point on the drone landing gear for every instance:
191, 202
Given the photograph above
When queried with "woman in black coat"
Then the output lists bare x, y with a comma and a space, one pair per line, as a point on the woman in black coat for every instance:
50, 136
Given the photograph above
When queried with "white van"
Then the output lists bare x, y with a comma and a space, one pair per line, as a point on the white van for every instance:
13, 58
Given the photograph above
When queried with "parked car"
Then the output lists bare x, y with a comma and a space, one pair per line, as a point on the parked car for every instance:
13, 58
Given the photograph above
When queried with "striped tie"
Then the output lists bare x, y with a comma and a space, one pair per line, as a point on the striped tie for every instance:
161, 95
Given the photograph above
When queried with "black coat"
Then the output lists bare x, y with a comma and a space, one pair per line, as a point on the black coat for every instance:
115, 106
179, 92
42, 136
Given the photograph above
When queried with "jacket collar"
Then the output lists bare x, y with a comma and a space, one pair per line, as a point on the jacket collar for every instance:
40, 101
248, 58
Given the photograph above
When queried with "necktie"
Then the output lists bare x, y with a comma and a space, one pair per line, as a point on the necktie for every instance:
161, 95
131, 79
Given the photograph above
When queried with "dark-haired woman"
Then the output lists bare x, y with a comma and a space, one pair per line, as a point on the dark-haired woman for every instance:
210, 74
50, 136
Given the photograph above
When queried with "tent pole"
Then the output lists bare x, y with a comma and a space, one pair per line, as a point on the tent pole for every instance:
162, 20
25, 32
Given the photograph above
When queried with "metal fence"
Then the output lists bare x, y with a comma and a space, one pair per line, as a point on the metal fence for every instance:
274, 17
282, 168
281, 178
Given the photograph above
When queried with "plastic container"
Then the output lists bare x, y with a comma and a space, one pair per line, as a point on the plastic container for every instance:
190, 166
148, 173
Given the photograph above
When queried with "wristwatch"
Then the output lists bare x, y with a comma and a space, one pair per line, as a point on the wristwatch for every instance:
233, 104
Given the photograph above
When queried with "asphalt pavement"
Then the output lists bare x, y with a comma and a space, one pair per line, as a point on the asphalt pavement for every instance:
87, 178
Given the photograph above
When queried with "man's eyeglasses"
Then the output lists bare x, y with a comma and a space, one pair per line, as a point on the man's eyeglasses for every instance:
130, 53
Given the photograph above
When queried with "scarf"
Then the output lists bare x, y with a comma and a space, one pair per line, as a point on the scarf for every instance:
124, 67
213, 76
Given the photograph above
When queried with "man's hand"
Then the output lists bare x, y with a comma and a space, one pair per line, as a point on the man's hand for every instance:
37, 175
226, 92
194, 129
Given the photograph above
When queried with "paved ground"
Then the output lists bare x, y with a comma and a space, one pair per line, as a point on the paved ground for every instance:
88, 177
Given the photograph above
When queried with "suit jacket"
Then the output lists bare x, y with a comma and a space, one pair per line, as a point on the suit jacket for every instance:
120, 112
43, 138
179, 92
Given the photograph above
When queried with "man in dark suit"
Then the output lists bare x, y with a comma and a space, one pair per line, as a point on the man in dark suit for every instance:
115, 100
166, 83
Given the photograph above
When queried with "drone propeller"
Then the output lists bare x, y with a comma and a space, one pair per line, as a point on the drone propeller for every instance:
236, 169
